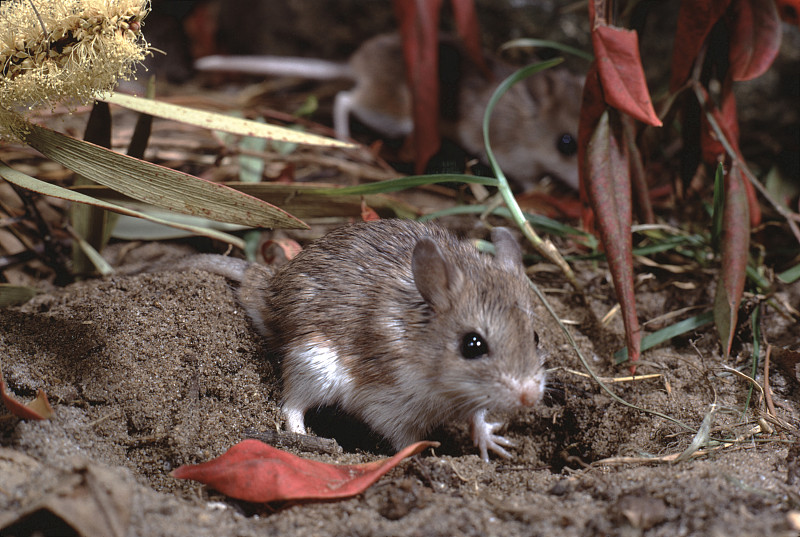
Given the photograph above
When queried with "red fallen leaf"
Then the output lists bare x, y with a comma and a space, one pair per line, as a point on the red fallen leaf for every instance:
256, 472
38, 409
695, 20
608, 187
368, 214
735, 247
621, 73
755, 37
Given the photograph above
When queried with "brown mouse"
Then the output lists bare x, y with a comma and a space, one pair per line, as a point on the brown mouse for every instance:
401, 325
533, 129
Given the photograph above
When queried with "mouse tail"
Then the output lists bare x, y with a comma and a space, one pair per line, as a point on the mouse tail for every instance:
287, 66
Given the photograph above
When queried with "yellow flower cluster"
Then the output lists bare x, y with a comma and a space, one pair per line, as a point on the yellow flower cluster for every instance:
68, 51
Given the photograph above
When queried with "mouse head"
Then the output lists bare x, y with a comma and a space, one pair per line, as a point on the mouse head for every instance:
533, 128
482, 329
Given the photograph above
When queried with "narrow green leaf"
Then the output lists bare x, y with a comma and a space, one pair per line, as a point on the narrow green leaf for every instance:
665, 334
526, 42
220, 122
94, 256
158, 185
790, 275
404, 183
30, 183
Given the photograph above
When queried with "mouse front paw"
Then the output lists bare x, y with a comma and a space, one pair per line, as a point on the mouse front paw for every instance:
484, 438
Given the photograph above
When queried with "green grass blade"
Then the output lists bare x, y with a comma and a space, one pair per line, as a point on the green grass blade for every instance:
790, 275
665, 334
546, 43
404, 183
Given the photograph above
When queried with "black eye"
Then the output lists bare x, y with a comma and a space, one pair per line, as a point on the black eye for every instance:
473, 346
567, 144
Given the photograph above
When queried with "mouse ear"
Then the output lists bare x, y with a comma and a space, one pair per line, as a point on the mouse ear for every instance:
435, 278
507, 251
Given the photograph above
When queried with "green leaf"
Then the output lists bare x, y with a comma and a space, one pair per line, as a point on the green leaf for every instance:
526, 42
667, 333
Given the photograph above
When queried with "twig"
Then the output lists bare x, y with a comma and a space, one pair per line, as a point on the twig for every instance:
767, 390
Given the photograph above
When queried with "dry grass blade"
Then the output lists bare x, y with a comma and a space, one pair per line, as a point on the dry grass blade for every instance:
220, 122
158, 185
30, 183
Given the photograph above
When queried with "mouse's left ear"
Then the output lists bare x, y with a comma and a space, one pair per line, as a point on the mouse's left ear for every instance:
436, 279
507, 251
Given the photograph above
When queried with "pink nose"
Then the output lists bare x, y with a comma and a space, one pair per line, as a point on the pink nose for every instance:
529, 396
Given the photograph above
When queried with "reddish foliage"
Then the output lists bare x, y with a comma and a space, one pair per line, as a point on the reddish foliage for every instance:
695, 20
755, 37
608, 186
255, 472
621, 74
38, 409
419, 27
368, 214
735, 245
789, 11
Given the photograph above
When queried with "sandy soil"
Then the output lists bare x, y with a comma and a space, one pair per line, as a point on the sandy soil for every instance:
151, 371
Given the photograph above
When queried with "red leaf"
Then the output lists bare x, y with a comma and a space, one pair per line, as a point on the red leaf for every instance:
368, 214
729, 124
255, 472
755, 37
419, 27
592, 107
38, 409
726, 118
695, 20
469, 32
735, 248
621, 73
609, 189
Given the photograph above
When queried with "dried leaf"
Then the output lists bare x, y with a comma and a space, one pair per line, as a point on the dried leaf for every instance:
255, 472
38, 409
158, 185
